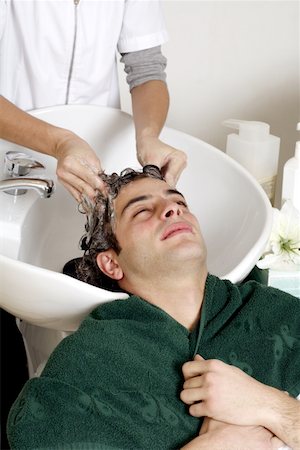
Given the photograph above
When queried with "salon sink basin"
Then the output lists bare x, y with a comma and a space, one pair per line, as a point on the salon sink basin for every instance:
38, 236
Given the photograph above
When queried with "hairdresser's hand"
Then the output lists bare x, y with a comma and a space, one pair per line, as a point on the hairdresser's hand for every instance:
78, 166
150, 150
225, 393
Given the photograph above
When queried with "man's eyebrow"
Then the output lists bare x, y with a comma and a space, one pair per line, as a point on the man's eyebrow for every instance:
174, 191
141, 198
135, 200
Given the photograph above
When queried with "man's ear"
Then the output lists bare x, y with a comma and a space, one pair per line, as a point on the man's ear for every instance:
108, 264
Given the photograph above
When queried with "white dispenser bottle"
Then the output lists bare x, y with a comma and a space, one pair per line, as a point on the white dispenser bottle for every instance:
255, 149
291, 177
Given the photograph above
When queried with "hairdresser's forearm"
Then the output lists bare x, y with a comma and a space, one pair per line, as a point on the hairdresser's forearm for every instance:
283, 417
22, 128
150, 104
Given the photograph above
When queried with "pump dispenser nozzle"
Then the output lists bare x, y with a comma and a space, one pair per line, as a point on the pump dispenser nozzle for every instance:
255, 149
249, 130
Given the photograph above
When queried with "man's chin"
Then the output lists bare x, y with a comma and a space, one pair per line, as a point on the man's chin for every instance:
186, 252
182, 240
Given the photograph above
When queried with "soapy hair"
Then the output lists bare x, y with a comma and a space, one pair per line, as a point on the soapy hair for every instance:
99, 228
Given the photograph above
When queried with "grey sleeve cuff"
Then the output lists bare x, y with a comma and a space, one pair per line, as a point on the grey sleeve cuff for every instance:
144, 65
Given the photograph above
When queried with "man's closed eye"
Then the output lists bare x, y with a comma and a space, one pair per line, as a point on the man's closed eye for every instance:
141, 211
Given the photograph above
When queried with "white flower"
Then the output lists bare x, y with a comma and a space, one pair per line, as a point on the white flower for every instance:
283, 249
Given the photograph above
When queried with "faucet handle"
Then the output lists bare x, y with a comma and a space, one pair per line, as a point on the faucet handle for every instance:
20, 164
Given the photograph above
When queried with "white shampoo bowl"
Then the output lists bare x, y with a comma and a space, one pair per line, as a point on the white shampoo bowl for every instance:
38, 236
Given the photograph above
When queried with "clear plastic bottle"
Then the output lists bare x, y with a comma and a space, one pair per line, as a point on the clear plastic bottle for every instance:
291, 177
255, 149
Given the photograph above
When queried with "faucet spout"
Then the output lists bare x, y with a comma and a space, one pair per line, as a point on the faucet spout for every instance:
16, 186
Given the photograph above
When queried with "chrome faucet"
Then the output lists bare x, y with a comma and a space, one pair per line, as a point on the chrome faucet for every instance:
17, 186
18, 164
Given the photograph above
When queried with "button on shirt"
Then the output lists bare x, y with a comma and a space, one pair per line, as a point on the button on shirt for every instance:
64, 51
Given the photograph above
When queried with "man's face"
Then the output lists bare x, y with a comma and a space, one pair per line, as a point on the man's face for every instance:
155, 229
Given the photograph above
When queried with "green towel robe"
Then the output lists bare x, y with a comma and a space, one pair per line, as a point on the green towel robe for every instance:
115, 383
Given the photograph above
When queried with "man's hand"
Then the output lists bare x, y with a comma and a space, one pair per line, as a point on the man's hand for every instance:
150, 150
224, 392
255, 437
78, 167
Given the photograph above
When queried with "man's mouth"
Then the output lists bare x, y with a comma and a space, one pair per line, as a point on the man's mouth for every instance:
176, 228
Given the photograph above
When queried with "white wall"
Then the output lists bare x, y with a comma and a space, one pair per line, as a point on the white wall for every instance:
232, 59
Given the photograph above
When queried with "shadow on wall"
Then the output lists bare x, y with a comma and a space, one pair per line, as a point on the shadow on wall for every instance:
237, 60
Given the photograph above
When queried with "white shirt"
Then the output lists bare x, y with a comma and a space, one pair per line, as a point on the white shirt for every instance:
36, 46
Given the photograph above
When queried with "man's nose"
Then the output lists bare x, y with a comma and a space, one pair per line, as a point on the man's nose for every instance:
171, 209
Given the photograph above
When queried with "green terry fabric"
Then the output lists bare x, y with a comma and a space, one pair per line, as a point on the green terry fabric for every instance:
115, 383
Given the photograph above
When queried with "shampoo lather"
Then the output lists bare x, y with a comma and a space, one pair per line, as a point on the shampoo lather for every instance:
255, 149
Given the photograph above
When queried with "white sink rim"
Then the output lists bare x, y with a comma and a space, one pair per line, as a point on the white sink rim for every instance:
64, 318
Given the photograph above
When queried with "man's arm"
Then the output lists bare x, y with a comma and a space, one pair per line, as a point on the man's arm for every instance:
220, 435
150, 103
283, 417
77, 165
225, 393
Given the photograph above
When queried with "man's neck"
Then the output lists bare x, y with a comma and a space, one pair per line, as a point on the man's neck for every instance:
181, 297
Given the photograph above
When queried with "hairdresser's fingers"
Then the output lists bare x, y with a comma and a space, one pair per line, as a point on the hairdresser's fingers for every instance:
78, 174
76, 194
175, 163
78, 187
171, 161
78, 165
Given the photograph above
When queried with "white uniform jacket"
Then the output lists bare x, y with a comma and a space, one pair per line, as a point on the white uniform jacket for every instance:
54, 52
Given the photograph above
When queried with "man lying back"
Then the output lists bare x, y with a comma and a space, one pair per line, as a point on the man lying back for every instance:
144, 372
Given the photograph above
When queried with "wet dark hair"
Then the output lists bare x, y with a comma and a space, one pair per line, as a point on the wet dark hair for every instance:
99, 227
